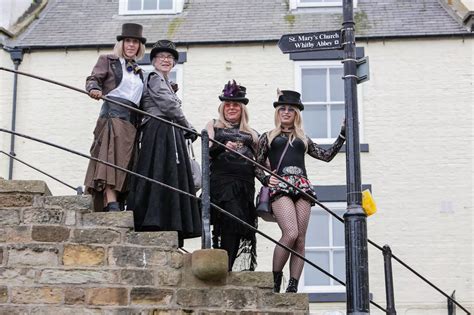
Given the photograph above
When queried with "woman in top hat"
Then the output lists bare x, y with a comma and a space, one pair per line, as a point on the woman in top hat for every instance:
291, 208
118, 77
163, 156
232, 177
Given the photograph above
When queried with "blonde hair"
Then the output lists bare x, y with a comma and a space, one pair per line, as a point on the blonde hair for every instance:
297, 131
244, 120
118, 50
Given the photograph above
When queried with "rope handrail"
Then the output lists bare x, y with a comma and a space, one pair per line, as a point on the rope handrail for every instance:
184, 193
78, 190
242, 156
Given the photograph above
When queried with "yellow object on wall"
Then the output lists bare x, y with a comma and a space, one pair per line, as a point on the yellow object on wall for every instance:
368, 203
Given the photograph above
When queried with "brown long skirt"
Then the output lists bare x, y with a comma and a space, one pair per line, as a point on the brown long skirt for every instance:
114, 140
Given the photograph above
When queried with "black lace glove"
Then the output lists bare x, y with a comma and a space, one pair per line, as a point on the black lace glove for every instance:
191, 135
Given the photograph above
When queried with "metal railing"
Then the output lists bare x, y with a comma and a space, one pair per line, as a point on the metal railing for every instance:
206, 233
221, 210
77, 189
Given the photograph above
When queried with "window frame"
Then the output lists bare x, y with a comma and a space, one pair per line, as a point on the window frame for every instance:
123, 8
318, 64
334, 287
295, 4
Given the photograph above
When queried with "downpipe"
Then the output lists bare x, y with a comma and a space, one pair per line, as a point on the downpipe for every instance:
16, 55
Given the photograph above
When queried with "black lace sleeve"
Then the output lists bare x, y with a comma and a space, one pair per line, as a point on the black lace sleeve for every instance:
325, 154
262, 154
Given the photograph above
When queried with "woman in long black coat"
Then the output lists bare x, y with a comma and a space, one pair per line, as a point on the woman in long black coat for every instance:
163, 156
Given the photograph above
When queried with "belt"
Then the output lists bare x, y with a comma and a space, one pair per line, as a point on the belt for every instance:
293, 170
110, 110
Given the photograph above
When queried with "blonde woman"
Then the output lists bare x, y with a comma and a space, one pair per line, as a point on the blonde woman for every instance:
291, 209
232, 177
118, 77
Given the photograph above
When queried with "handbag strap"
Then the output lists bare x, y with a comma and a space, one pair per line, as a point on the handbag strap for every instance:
190, 148
283, 154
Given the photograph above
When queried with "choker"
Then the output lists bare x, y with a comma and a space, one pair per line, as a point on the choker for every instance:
236, 125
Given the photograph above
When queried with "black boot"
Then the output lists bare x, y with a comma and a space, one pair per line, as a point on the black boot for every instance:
277, 275
292, 286
112, 206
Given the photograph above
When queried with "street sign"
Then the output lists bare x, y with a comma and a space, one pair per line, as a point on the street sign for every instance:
290, 43
362, 69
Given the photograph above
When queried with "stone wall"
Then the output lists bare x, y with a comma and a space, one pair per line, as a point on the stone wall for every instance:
58, 257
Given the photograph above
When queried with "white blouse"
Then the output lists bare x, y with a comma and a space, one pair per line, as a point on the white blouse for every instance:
131, 86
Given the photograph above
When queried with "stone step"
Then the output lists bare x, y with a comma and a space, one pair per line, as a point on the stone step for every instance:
104, 236
73, 255
20, 193
81, 203
57, 256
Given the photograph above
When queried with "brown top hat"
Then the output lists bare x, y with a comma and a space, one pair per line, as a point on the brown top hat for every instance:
132, 30
288, 97
234, 92
164, 45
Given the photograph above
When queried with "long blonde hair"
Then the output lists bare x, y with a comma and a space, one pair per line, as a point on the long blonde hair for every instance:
118, 50
244, 120
297, 131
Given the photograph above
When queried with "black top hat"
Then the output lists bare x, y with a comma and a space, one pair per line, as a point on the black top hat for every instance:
288, 97
132, 30
234, 92
164, 45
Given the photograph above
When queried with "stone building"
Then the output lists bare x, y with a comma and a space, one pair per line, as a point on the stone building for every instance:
415, 116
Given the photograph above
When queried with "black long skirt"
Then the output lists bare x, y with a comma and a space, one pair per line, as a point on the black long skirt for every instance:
237, 197
163, 156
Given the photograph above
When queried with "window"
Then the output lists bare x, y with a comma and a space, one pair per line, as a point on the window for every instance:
322, 93
176, 76
325, 248
294, 4
150, 6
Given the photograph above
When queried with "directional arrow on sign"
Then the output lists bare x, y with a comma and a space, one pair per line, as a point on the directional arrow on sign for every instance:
310, 41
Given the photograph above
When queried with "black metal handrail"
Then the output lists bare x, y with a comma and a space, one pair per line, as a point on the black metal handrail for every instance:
242, 156
78, 189
184, 193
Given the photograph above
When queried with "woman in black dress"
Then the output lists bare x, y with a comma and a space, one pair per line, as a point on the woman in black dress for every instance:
232, 177
291, 209
163, 156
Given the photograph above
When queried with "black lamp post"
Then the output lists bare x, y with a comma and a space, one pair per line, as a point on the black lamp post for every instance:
355, 220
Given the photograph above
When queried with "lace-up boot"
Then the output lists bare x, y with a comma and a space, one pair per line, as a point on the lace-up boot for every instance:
292, 286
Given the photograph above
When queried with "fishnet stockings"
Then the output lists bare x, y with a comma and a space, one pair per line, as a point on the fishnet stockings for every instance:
292, 218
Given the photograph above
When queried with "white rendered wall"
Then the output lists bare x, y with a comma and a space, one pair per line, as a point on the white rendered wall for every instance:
416, 116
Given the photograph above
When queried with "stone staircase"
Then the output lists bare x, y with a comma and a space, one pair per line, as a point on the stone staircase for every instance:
58, 257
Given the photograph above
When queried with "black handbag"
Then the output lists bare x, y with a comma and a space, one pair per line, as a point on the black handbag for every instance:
264, 206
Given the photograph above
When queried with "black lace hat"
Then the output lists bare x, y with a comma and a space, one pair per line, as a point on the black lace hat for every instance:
234, 92
164, 45
132, 30
287, 97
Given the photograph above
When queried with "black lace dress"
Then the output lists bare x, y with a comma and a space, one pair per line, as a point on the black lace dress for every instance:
233, 189
292, 167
